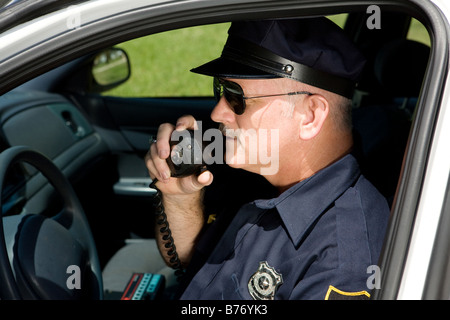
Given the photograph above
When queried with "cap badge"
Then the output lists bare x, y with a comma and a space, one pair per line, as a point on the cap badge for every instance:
288, 68
264, 282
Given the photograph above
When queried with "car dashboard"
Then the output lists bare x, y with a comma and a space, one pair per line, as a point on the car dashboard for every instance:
53, 126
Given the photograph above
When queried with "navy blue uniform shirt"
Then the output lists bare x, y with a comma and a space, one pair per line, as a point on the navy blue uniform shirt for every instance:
318, 237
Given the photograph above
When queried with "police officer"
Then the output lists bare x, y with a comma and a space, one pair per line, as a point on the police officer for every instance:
291, 79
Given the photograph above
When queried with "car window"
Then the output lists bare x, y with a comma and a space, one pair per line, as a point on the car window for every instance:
160, 63
418, 32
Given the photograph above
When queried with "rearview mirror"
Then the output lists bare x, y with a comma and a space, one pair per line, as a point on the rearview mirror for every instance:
110, 68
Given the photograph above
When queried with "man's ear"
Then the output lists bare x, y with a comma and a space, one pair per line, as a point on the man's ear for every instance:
315, 111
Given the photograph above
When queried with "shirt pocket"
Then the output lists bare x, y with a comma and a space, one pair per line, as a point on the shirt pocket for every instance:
233, 290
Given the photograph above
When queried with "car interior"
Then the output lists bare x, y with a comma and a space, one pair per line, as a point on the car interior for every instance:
99, 142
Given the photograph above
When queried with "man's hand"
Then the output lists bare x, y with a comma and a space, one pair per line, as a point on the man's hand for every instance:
157, 165
182, 197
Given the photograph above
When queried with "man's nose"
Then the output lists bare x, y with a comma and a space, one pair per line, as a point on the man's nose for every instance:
222, 112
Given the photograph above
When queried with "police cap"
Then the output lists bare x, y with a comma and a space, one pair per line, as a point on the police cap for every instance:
314, 51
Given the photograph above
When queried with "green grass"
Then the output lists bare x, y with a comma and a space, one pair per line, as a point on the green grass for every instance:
160, 63
417, 32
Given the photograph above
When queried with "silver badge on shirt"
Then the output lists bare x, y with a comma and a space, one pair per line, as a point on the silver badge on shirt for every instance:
264, 282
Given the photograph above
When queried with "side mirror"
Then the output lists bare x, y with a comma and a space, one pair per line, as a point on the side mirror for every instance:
110, 68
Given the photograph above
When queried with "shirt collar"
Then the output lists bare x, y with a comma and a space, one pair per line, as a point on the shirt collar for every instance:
302, 204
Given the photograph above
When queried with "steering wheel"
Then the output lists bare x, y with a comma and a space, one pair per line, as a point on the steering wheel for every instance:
49, 257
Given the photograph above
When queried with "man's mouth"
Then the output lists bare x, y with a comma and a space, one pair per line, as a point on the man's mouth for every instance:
228, 133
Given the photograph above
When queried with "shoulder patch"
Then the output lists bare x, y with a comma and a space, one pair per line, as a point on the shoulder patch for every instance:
336, 294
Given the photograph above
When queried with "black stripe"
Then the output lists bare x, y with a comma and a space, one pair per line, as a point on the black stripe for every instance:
248, 53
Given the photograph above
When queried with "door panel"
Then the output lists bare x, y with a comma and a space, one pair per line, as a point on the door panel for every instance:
138, 119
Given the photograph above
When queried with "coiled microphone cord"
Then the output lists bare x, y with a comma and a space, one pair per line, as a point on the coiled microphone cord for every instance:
161, 220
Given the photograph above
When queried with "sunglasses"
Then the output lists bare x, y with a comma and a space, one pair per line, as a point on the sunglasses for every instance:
234, 94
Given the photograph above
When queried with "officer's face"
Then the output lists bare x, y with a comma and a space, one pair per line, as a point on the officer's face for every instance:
258, 139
